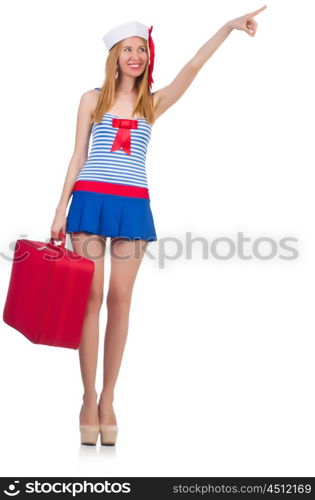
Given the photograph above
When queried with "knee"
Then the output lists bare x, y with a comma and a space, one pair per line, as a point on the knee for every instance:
118, 299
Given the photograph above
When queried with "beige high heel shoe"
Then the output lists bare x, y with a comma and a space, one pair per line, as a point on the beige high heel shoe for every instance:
89, 434
108, 434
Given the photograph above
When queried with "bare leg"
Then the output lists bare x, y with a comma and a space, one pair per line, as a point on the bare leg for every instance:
93, 248
126, 257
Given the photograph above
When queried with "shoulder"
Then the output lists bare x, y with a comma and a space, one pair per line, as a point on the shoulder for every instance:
88, 100
90, 95
87, 105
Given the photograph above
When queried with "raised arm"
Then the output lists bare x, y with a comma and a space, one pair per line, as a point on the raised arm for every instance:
167, 96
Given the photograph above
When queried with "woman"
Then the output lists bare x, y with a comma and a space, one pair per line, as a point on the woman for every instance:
110, 196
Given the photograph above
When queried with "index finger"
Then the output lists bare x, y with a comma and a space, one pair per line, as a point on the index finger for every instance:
259, 10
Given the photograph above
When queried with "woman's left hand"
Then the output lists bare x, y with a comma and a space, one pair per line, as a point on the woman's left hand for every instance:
247, 22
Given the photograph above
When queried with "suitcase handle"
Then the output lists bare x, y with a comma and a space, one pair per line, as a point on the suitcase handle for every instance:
62, 237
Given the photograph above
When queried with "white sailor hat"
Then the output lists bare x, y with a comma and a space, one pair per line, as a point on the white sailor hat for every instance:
127, 30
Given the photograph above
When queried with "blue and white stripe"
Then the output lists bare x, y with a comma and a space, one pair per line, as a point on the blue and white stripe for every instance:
117, 166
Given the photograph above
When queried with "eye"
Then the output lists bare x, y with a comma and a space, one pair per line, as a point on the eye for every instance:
129, 48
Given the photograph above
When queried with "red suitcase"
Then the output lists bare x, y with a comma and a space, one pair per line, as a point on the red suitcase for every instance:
48, 292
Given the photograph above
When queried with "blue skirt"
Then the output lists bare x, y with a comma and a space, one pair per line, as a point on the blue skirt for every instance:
111, 215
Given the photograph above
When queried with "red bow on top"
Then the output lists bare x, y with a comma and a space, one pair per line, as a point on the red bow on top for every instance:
122, 139
151, 49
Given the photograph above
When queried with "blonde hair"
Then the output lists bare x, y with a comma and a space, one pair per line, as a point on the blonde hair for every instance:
144, 102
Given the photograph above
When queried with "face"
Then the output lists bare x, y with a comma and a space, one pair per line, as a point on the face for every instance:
133, 56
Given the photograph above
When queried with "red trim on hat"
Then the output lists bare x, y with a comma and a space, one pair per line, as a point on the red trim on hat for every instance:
152, 54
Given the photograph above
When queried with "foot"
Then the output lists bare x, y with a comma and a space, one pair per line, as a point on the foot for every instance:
106, 412
89, 413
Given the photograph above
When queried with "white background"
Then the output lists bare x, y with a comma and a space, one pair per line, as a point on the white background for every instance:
217, 377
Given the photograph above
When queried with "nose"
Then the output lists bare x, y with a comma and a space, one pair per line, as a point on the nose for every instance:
140, 58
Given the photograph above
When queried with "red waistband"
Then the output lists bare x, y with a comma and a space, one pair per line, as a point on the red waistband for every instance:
110, 188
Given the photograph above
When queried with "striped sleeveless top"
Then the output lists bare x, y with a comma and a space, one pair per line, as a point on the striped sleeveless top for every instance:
117, 166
